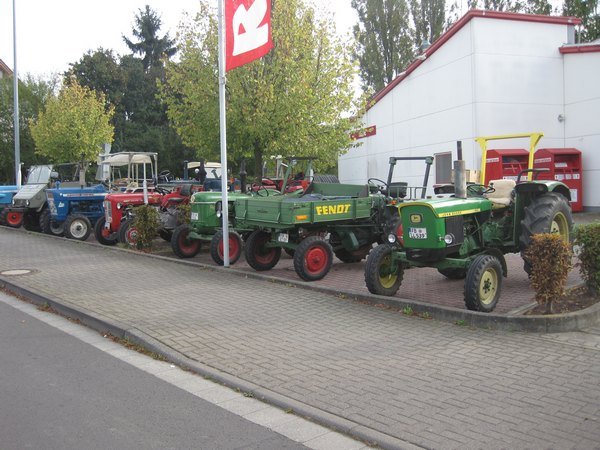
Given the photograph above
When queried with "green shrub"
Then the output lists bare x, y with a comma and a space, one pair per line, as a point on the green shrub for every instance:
587, 240
184, 212
550, 258
146, 223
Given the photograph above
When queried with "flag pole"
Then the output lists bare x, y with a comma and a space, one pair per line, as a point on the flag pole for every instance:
16, 103
223, 129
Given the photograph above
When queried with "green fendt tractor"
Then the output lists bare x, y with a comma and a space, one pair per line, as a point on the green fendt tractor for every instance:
467, 234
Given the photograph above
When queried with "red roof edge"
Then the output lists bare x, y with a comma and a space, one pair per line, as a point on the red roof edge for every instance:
4, 68
558, 20
582, 48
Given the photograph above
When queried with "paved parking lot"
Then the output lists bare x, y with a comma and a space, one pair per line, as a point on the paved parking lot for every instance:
414, 381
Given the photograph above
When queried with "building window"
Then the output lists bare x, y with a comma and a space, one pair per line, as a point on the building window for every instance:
443, 167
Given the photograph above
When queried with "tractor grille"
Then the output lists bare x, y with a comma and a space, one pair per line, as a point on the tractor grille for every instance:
107, 212
20, 203
455, 226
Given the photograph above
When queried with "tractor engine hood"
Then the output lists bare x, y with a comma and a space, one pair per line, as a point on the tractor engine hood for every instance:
449, 207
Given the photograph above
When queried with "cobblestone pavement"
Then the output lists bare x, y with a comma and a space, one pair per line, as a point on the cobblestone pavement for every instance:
433, 384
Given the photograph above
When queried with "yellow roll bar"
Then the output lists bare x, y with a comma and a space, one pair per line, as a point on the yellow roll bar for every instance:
534, 138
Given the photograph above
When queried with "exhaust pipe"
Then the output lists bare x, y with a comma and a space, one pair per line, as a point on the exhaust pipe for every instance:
460, 174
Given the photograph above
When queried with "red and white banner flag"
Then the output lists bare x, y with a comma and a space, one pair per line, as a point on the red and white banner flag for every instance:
247, 31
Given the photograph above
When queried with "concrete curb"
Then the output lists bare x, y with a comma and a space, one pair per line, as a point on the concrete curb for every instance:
555, 323
105, 325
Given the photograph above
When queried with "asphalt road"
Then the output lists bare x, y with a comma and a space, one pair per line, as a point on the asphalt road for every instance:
58, 392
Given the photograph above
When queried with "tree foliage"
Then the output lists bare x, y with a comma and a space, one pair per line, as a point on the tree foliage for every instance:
33, 93
385, 40
151, 47
289, 102
587, 11
73, 126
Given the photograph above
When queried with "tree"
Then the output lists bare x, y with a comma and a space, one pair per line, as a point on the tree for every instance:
152, 48
385, 41
73, 125
33, 93
290, 102
587, 11
428, 17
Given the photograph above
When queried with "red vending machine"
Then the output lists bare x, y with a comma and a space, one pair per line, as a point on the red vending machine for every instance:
505, 163
565, 166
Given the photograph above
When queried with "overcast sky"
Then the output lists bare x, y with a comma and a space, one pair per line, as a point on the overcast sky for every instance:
53, 33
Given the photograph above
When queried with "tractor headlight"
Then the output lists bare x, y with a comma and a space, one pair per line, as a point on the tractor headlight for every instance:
119, 206
449, 239
219, 209
27, 202
391, 238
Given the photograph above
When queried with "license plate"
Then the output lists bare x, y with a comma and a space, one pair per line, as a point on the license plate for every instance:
417, 233
283, 237
194, 216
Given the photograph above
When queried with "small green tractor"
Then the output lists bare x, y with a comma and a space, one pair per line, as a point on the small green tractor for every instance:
466, 235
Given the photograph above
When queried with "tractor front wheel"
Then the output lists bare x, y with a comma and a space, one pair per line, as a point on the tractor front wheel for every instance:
258, 255
235, 247
102, 234
128, 233
166, 235
483, 283
382, 275
78, 227
31, 221
13, 219
183, 246
548, 213
313, 258
49, 226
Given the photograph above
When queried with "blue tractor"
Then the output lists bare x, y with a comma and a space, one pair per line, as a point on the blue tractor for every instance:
73, 211
6, 196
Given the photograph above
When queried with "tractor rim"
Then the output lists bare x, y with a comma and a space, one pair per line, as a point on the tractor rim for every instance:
233, 247
78, 229
560, 226
488, 286
264, 254
387, 276
131, 236
14, 218
315, 259
106, 233
187, 245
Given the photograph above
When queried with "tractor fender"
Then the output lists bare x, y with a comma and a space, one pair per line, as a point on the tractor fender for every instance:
498, 254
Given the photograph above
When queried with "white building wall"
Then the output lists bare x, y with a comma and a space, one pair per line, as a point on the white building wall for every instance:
582, 119
492, 77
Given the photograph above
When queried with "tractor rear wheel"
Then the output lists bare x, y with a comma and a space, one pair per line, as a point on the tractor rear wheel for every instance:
235, 247
313, 258
102, 234
183, 246
128, 233
548, 213
483, 283
382, 275
453, 274
78, 227
258, 255
31, 221
49, 226
13, 219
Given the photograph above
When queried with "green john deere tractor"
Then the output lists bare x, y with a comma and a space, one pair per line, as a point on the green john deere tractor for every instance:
466, 235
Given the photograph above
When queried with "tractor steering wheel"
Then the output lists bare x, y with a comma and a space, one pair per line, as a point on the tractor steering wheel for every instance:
377, 184
479, 189
262, 188
160, 190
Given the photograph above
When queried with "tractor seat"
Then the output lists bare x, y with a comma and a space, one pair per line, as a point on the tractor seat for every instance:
501, 196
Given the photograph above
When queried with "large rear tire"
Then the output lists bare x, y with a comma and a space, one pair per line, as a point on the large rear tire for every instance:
483, 284
548, 213
78, 227
313, 258
382, 275
258, 255
235, 247
49, 226
103, 235
183, 246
